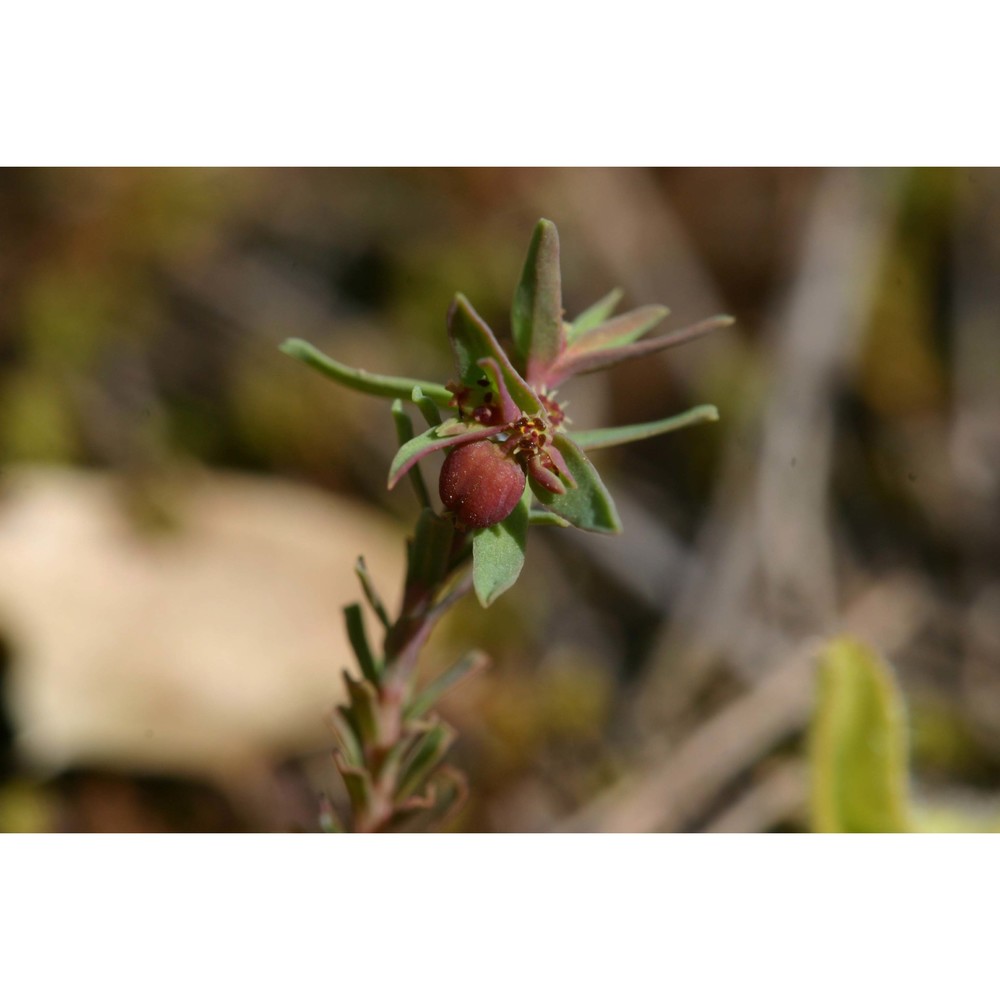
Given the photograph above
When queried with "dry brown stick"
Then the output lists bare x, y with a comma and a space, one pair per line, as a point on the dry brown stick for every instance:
780, 796
764, 559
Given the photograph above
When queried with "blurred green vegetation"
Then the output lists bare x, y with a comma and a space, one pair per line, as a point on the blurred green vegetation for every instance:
859, 746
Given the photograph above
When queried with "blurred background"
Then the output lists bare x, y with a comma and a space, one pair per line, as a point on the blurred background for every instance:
181, 505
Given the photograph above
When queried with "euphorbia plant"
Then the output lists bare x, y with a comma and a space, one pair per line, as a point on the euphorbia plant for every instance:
512, 461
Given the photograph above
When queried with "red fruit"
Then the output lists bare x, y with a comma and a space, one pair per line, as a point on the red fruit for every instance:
480, 484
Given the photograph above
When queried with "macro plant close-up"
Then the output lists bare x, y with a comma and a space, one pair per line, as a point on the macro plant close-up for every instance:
351, 500
513, 461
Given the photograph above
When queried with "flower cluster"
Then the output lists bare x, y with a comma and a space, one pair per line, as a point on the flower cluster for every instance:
510, 432
507, 437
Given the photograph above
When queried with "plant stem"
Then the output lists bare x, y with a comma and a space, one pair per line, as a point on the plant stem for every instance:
423, 604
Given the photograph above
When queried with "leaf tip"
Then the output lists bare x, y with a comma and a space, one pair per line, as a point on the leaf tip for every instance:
485, 597
293, 347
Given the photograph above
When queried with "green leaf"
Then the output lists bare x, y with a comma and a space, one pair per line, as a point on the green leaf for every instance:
858, 745
347, 734
358, 378
471, 341
595, 315
358, 783
536, 314
580, 362
431, 554
610, 436
447, 790
470, 664
588, 505
427, 752
404, 425
359, 643
362, 712
404, 434
624, 329
426, 406
498, 553
433, 439
546, 517
434, 807
368, 586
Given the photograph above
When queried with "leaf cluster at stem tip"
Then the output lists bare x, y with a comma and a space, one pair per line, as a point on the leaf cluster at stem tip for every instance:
513, 399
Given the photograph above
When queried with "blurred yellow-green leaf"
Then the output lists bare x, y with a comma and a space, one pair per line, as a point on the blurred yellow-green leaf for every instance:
858, 745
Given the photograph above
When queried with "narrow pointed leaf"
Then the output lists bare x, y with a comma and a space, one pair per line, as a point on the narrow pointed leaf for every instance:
426, 405
448, 789
434, 439
404, 434
572, 364
358, 783
536, 315
431, 551
858, 747
428, 751
404, 425
546, 517
608, 437
469, 665
359, 642
588, 505
347, 736
368, 585
358, 378
595, 315
498, 553
471, 340
362, 709
624, 329
443, 797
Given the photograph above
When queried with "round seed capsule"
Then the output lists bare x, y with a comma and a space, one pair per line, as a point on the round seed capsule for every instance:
480, 484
